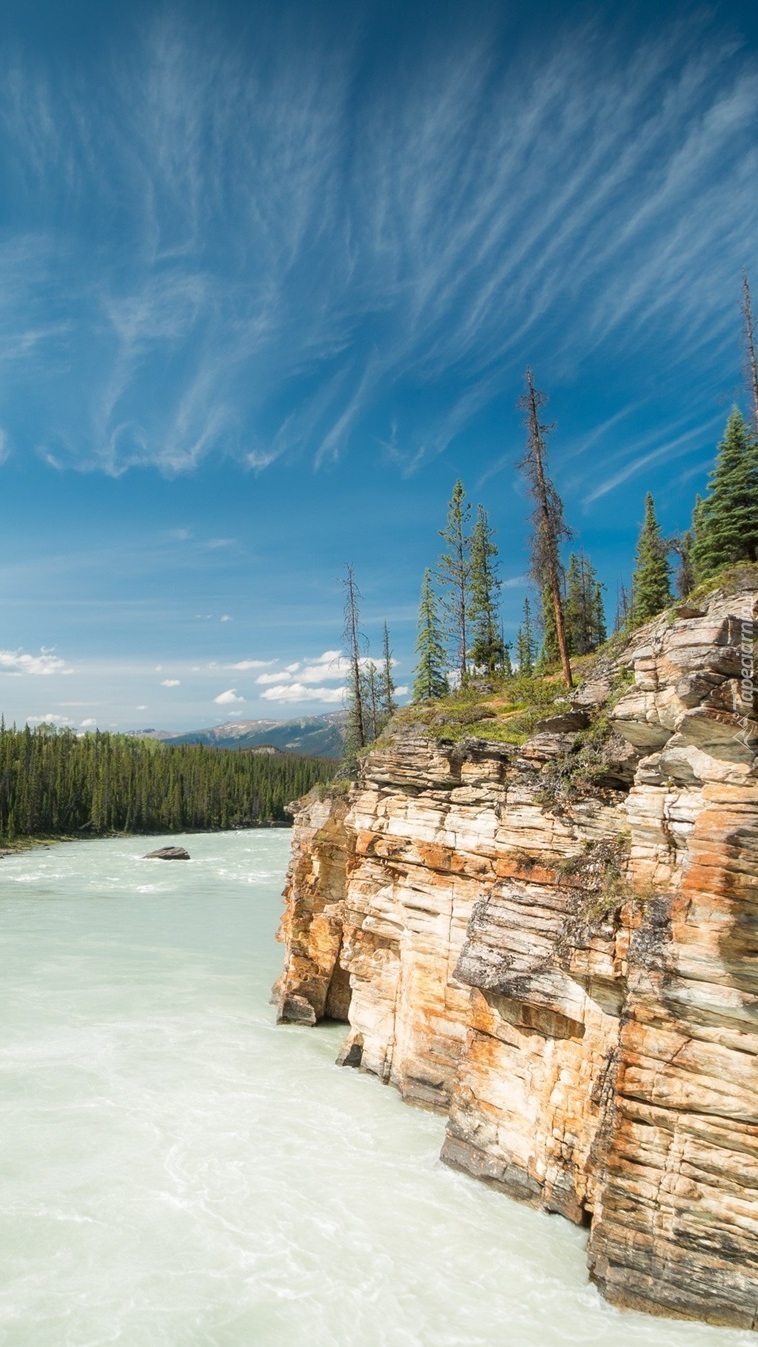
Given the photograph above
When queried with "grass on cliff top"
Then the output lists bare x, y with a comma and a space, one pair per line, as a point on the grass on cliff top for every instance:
732, 580
503, 710
507, 710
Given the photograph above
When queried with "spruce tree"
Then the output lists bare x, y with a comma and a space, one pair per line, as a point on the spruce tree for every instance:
370, 691
585, 614
526, 648
600, 629
549, 527
387, 702
725, 523
549, 653
353, 641
651, 582
486, 646
430, 677
454, 574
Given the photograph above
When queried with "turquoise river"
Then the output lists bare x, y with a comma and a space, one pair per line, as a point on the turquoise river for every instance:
175, 1171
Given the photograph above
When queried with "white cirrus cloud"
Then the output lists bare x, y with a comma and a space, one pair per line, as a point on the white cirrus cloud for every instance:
42, 665
226, 617
298, 692
329, 667
383, 228
337, 667
228, 698
171, 683
329, 657
244, 664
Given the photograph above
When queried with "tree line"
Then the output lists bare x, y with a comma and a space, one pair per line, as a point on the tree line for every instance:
460, 633
55, 783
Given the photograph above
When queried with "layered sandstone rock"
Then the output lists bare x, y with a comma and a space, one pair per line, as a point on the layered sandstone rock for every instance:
555, 944
314, 984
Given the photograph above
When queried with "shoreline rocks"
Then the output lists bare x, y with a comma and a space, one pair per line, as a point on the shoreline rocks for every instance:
167, 854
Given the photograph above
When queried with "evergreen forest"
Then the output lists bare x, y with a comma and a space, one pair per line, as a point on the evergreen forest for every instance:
57, 784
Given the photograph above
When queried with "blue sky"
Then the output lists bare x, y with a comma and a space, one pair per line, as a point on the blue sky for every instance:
272, 276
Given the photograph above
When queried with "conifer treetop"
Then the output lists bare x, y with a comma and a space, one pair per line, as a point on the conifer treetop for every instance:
651, 582
725, 522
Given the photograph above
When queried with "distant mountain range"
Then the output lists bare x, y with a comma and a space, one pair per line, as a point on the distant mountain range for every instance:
322, 736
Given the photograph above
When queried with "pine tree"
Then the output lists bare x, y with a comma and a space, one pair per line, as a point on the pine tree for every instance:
526, 647
454, 574
550, 654
651, 582
585, 614
600, 629
725, 523
549, 527
387, 702
353, 640
430, 678
486, 646
371, 697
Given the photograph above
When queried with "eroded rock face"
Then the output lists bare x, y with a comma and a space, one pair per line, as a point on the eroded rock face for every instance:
564, 960
314, 985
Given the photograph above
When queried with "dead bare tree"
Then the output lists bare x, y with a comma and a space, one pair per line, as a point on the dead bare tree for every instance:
750, 354
549, 528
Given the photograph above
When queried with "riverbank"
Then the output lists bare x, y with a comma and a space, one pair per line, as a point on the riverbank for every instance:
19, 844
29, 844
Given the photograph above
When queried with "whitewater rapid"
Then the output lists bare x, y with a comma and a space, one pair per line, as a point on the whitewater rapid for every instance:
175, 1171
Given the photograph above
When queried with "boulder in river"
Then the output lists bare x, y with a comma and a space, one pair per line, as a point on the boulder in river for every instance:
168, 854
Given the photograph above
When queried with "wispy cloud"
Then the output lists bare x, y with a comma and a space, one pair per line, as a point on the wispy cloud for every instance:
667, 451
330, 667
51, 718
312, 264
299, 692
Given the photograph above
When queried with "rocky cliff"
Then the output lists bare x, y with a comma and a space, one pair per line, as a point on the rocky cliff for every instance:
554, 943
